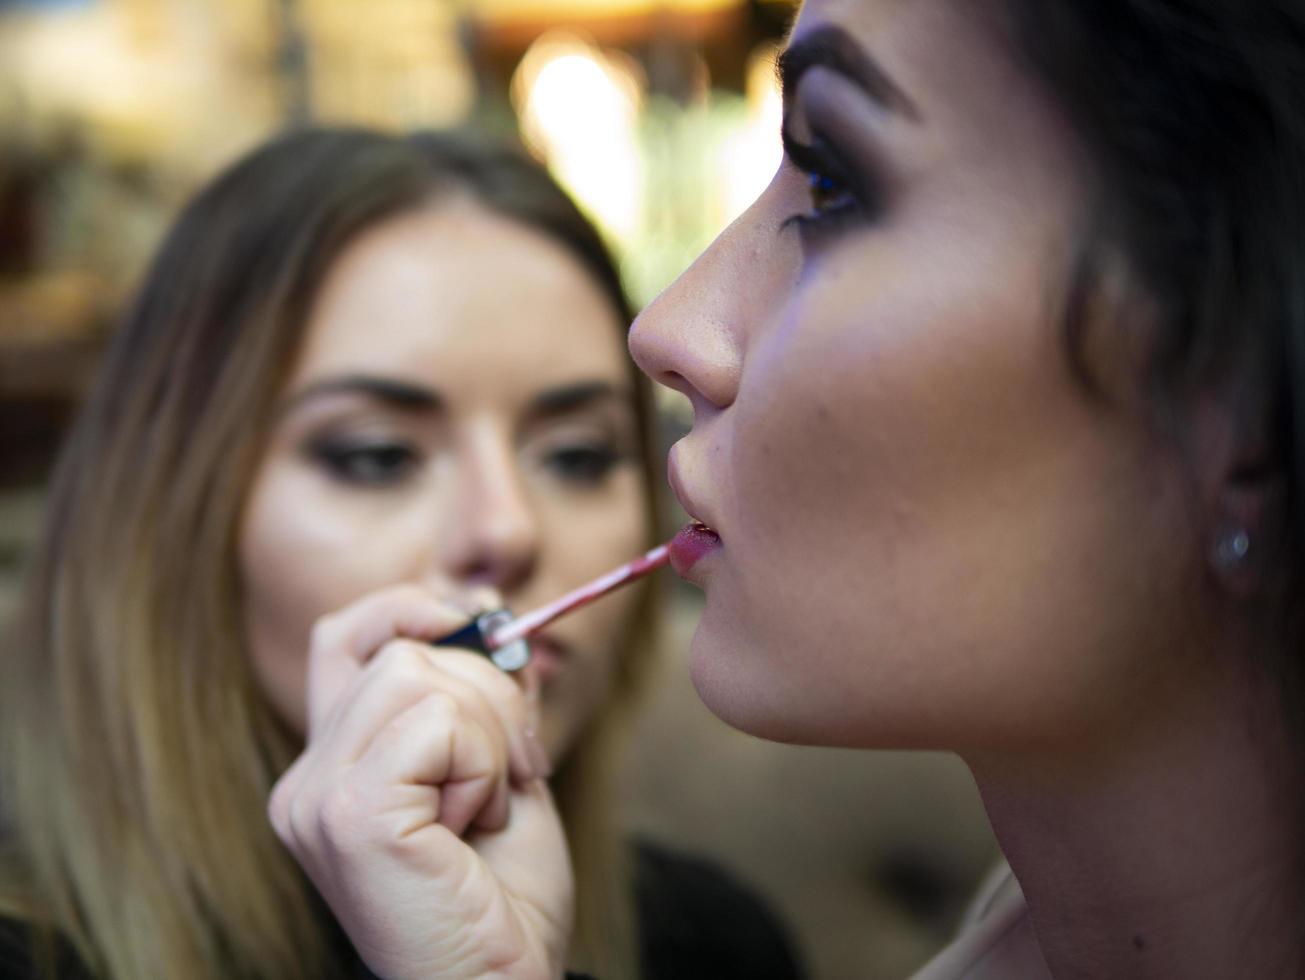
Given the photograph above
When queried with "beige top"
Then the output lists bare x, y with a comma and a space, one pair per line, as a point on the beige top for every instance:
996, 940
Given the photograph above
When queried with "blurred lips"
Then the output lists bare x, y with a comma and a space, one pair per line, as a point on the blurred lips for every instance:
547, 656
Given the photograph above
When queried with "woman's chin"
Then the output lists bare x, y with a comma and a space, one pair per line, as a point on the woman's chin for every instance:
751, 686
733, 682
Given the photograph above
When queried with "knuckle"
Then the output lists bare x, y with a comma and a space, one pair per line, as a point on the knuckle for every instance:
278, 812
322, 635
398, 845
340, 814
410, 592
428, 723
405, 662
440, 705
298, 822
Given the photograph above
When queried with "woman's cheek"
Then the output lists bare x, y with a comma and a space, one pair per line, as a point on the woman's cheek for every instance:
301, 555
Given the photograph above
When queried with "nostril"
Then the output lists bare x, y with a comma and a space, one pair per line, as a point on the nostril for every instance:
681, 384
675, 381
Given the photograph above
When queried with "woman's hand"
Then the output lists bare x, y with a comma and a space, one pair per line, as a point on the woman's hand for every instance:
418, 806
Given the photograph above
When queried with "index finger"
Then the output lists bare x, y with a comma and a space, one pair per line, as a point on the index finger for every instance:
342, 642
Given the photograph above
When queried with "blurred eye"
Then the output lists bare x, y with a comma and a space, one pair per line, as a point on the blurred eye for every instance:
586, 465
368, 464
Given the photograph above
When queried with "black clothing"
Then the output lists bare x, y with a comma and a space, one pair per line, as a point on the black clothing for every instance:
696, 922
18, 961
699, 923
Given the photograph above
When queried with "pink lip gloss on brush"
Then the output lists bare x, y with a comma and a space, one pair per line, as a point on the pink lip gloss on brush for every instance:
502, 638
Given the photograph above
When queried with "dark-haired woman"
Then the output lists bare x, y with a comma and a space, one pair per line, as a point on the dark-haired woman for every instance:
999, 447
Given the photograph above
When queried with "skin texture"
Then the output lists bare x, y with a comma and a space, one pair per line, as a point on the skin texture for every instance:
897, 380
933, 536
397, 808
488, 490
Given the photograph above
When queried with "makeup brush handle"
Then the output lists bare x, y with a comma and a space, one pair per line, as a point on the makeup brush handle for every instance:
475, 636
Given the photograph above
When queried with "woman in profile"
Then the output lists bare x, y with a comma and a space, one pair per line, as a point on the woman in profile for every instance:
998, 447
363, 371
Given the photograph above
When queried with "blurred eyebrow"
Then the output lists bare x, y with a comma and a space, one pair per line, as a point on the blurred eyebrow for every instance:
560, 401
833, 48
402, 395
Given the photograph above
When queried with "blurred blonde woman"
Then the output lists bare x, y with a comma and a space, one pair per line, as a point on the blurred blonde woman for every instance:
361, 367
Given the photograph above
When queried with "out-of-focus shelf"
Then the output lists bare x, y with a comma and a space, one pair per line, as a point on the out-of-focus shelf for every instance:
57, 370
723, 33
45, 372
636, 26
51, 333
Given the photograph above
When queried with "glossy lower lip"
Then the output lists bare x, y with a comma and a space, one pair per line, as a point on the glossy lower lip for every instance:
691, 545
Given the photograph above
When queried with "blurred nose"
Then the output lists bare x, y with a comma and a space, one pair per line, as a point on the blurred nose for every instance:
492, 533
692, 338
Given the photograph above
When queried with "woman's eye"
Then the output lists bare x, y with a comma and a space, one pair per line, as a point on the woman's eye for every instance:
584, 465
828, 194
375, 464
834, 197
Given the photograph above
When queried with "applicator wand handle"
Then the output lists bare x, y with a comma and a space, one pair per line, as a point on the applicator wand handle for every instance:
477, 635
503, 639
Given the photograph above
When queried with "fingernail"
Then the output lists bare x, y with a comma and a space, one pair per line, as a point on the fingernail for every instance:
463, 605
536, 755
487, 597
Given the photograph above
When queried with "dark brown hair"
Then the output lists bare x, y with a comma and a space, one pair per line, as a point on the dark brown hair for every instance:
1192, 113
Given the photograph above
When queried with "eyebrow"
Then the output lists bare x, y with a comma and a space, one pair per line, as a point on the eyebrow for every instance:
833, 48
410, 397
398, 394
570, 398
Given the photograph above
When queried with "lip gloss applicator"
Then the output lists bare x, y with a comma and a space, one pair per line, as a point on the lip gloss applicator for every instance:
503, 638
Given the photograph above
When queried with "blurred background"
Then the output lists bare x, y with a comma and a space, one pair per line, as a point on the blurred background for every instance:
661, 117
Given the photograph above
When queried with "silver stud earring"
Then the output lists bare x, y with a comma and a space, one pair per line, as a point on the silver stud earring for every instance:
1232, 549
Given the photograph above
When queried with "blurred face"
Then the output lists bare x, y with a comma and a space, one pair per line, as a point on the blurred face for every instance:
460, 415
927, 533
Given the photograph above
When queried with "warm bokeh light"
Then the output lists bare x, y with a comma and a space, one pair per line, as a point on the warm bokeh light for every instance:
95, 65
561, 10
749, 159
579, 110
137, 81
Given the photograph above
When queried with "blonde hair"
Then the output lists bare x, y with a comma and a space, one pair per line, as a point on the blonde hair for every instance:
606, 938
136, 752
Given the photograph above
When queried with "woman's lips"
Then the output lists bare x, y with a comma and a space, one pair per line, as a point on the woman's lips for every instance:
691, 545
547, 657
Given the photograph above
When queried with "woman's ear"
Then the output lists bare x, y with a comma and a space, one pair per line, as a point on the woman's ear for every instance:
1243, 482
1245, 530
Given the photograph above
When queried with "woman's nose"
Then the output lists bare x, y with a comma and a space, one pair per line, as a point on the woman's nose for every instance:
693, 336
492, 534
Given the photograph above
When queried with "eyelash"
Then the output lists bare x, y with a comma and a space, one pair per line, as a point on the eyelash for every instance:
583, 465
365, 464
836, 201
385, 464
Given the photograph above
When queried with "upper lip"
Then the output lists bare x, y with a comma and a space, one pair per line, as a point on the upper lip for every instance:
681, 492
